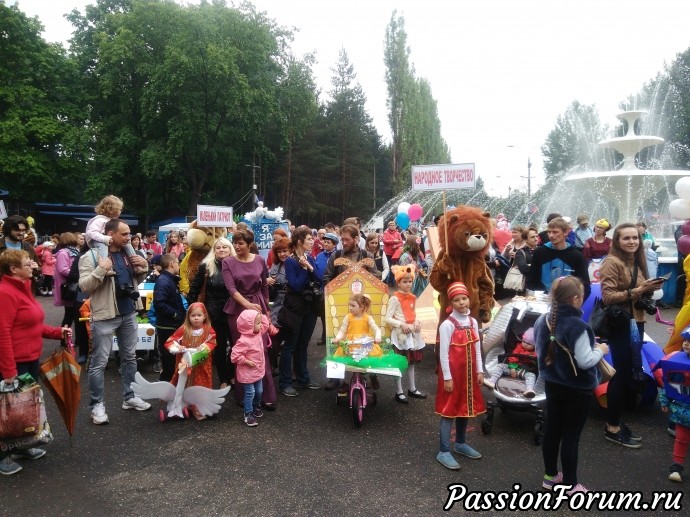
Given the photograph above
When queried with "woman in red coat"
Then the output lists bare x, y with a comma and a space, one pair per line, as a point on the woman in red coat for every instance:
21, 334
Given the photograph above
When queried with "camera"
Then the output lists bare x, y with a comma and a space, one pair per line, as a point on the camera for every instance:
126, 291
647, 304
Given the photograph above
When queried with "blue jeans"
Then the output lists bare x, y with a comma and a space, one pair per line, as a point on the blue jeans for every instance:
252, 395
445, 428
296, 344
125, 328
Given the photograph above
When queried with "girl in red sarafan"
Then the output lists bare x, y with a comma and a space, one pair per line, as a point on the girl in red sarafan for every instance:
196, 332
460, 377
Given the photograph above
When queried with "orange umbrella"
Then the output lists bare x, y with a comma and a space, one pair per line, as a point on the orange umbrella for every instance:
60, 374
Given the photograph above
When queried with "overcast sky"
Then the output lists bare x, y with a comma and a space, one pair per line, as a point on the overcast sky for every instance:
501, 70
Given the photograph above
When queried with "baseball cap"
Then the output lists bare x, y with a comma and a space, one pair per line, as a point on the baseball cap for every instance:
331, 237
156, 260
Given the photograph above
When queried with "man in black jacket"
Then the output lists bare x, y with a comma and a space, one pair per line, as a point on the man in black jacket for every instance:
170, 312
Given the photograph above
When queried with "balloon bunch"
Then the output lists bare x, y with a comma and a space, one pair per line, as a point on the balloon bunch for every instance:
408, 213
680, 209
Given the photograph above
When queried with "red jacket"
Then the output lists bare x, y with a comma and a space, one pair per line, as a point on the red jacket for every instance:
21, 326
392, 240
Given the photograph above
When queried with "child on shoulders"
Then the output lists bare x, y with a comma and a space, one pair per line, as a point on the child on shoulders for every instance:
110, 207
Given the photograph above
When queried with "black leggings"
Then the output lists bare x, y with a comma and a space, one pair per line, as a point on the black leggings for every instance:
566, 414
221, 362
619, 345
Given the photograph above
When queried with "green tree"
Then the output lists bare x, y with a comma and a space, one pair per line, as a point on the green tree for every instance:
399, 80
412, 110
354, 139
572, 144
297, 110
42, 140
184, 96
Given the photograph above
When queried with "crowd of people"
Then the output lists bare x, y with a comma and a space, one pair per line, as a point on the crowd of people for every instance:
254, 317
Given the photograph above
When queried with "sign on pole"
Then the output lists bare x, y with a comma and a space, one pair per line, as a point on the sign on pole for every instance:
443, 176
207, 215
263, 235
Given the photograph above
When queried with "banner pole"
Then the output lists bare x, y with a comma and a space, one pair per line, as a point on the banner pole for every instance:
445, 224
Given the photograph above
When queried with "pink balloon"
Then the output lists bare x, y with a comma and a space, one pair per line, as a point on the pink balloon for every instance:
685, 229
415, 212
684, 245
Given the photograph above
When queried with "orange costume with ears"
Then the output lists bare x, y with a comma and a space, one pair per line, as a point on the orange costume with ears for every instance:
468, 230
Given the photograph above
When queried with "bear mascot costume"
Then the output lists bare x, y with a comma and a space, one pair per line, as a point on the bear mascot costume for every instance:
200, 240
468, 231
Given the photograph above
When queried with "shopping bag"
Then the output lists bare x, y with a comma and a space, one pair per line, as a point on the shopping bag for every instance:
23, 422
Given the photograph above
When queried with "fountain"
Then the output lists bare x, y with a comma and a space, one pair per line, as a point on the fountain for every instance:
628, 187
619, 196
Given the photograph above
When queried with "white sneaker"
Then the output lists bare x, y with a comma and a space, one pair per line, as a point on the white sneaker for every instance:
136, 403
98, 415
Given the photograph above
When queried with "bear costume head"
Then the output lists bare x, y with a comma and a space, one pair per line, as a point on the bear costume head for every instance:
200, 240
461, 259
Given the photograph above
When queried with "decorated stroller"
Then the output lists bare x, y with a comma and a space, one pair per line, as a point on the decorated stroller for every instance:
500, 340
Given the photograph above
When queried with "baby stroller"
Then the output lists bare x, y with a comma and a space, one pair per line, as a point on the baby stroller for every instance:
512, 320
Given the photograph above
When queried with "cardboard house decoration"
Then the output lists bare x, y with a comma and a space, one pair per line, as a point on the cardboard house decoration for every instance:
354, 280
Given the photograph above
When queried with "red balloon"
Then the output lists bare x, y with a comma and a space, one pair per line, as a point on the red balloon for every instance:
686, 227
684, 245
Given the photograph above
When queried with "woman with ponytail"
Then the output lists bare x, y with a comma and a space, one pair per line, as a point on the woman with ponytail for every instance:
567, 355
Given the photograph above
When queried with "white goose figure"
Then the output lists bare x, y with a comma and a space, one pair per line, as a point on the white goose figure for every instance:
206, 401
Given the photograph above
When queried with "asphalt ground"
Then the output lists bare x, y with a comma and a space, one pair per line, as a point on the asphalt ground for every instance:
307, 458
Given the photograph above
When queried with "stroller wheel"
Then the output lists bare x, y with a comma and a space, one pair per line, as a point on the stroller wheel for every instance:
487, 423
538, 433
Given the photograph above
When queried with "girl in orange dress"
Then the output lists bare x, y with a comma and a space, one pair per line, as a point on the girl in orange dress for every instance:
196, 332
405, 329
458, 395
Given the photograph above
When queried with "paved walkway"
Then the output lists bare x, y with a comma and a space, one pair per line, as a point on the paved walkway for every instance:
307, 458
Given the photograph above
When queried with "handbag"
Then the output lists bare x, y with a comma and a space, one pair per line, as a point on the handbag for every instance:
606, 370
514, 280
68, 291
608, 320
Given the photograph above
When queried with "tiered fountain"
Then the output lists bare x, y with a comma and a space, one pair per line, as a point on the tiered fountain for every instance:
628, 187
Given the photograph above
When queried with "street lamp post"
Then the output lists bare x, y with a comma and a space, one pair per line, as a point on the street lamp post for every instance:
529, 174
254, 167
529, 178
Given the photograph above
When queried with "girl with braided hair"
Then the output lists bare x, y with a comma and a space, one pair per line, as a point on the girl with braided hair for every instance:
567, 356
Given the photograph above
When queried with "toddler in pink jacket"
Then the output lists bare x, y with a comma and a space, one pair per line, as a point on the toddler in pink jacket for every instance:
248, 354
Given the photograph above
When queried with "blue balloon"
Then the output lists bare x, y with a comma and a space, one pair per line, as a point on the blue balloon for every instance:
402, 220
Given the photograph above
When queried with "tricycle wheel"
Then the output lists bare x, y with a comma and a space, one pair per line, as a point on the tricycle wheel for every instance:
538, 433
487, 423
161, 415
357, 408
